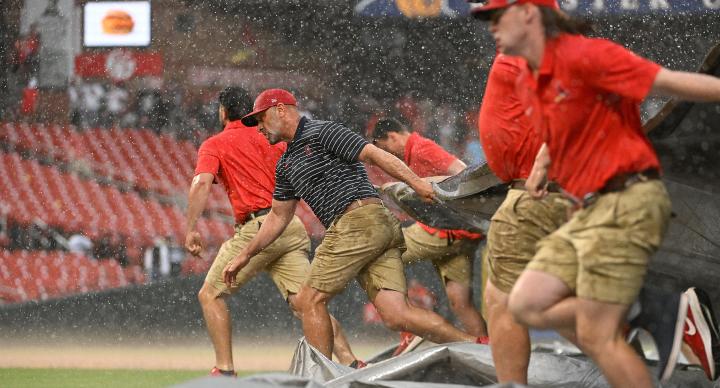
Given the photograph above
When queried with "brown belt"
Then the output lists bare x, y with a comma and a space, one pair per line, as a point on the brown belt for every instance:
257, 213
621, 182
519, 184
360, 203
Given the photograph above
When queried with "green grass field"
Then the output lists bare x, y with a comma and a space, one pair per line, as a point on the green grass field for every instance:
104, 378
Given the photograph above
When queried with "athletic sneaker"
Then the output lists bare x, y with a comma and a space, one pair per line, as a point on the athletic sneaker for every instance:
663, 316
405, 339
219, 372
358, 364
483, 340
701, 332
711, 318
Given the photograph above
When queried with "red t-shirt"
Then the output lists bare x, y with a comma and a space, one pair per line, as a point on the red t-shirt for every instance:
426, 158
243, 160
587, 97
509, 141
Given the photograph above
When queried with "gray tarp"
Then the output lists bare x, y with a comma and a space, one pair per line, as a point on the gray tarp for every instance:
467, 200
444, 366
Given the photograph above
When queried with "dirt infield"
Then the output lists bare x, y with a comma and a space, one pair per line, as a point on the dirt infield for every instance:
248, 355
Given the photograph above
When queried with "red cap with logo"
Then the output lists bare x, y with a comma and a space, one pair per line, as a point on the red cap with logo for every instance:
483, 11
266, 100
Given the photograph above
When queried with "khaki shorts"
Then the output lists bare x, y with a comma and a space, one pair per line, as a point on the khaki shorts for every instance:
285, 260
452, 260
484, 278
603, 251
365, 243
515, 228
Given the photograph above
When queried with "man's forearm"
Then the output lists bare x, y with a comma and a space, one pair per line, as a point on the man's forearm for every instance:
687, 86
272, 227
197, 200
542, 159
536, 182
394, 167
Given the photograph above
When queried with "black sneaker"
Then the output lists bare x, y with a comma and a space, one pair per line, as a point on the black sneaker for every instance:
701, 331
663, 316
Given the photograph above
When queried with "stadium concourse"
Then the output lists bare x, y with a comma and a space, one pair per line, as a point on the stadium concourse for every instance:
95, 182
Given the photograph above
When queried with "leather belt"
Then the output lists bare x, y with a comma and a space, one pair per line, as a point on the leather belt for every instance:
519, 184
621, 182
360, 203
257, 213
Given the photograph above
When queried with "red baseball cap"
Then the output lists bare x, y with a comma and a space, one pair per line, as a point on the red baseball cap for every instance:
266, 100
483, 11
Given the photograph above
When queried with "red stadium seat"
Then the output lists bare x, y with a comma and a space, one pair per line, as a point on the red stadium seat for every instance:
147, 172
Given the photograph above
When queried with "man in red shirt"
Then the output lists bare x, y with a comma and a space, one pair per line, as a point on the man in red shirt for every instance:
451, 251
243, 160
584, 94
510, 144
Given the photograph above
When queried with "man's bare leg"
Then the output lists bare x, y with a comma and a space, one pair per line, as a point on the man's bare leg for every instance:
553, 308
341, 346
219, 325
460, 297
509, 340
399, 315
316, 322
600, 336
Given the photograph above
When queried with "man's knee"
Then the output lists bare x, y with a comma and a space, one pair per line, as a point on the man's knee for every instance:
207, 294
592, 343
309, 298
294, 305
495, 300
393, 309
523, 309
394, 322
533, 294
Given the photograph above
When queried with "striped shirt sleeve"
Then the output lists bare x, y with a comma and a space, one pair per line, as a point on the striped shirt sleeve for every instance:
341, 141
284, 190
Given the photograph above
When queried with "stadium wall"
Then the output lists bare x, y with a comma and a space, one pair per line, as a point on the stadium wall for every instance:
170, 308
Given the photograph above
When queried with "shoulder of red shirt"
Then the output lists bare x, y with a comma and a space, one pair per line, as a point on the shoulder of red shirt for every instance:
419, 147
583, 51
217, 140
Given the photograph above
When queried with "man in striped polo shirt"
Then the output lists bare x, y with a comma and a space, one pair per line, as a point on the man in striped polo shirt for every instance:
323, 166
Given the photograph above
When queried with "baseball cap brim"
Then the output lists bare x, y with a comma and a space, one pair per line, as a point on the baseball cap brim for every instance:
485, 12
249, 119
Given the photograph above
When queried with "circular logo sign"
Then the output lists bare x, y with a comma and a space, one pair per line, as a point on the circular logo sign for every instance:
120, 65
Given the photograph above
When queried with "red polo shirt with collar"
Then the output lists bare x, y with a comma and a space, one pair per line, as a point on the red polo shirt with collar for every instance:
509, 141
243, 160
587, 97
426, 158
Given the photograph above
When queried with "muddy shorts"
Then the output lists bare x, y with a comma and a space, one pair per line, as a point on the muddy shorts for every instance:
515, 229
452, 259
365, 243
285, 260
603, 251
